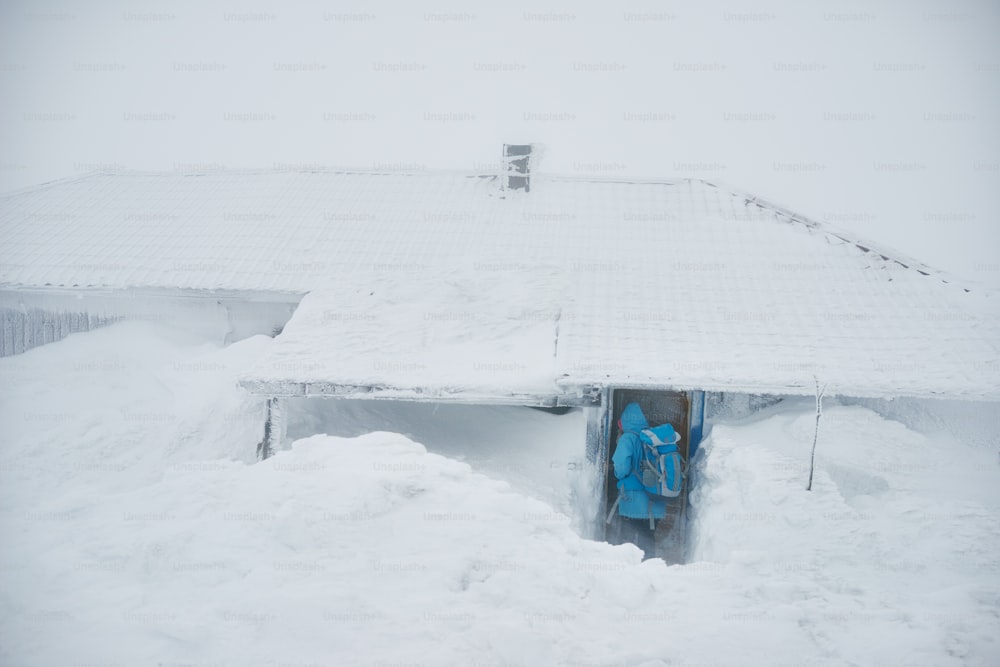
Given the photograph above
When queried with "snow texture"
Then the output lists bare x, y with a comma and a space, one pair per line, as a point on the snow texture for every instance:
139, 532
581, 282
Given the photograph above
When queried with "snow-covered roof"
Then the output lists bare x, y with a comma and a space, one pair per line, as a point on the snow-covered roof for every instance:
436, 284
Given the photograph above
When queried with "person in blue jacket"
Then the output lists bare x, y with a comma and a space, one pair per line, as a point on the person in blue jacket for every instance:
635, 507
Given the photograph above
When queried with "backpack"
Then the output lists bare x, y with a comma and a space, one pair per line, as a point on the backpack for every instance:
660, 468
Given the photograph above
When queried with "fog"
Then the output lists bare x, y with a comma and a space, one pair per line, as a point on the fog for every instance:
879, 117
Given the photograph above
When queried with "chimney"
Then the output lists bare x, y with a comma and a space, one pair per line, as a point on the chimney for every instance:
516, 167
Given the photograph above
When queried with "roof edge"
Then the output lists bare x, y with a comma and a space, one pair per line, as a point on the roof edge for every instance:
334, 169
153, 291
332, 389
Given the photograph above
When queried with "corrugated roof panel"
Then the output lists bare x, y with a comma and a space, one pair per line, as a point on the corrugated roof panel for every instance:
680, 283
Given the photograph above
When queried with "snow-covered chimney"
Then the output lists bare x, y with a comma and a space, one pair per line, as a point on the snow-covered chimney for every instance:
516, 167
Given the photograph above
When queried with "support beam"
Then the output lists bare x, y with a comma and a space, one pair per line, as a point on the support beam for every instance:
598, 442
275, 429
696, 422
567, 397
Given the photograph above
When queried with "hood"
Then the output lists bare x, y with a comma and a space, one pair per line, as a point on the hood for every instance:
633, 419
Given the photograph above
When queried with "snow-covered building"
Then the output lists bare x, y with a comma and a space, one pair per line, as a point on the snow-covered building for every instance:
468, 287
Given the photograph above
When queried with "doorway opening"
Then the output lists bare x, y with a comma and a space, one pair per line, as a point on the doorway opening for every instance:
660, 407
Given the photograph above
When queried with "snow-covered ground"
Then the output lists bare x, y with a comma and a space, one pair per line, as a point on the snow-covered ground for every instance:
137, 530
539, 454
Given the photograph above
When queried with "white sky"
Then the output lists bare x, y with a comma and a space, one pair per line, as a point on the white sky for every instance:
881, 117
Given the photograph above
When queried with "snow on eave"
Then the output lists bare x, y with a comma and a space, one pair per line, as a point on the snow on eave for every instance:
292, 389
144, 291
806, 388
583, 394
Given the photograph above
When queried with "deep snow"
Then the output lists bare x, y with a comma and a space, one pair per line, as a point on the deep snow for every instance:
137, 530
538, 454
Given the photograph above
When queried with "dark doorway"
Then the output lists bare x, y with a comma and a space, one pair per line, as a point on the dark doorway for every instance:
660, 407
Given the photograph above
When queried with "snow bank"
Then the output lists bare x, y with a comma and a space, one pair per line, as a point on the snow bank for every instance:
891, 558
130, 399
539, 454
157, 541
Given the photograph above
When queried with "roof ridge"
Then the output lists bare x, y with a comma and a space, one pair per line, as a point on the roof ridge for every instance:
304, 168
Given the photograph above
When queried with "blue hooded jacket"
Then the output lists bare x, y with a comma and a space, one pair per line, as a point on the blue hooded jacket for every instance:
634, 502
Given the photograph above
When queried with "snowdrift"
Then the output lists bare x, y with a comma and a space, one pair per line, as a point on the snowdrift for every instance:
890, 559
157, 540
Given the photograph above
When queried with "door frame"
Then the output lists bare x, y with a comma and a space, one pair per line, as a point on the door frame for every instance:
602, 433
